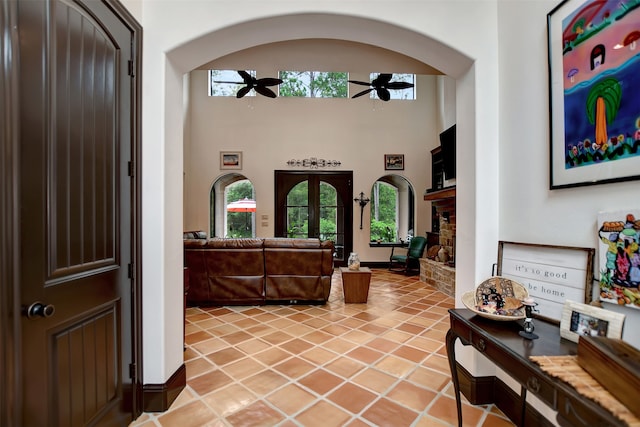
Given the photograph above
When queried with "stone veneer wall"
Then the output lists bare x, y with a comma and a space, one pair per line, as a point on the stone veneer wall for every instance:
435, 273
438, 275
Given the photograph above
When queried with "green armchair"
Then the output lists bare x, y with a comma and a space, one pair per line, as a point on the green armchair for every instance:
410, 261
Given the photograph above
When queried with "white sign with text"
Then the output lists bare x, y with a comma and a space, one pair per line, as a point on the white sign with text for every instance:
551, 274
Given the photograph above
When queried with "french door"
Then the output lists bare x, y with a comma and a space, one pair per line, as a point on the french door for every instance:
316, 204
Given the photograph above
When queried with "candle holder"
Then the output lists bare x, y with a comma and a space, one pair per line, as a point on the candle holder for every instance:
529, 308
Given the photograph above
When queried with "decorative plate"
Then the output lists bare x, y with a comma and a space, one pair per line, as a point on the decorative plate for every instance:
497, 298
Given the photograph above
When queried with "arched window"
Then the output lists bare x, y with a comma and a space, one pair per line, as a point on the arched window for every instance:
232, 207
392, 209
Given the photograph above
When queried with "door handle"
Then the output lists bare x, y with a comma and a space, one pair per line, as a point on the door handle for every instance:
38, 309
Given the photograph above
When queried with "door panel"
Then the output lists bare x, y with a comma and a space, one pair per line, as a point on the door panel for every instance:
342, 182
76, 213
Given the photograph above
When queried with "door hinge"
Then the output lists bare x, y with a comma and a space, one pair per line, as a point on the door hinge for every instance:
132, 370
130, 66
130, 271
130, 168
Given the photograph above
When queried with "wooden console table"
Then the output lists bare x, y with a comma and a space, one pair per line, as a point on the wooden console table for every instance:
500, 343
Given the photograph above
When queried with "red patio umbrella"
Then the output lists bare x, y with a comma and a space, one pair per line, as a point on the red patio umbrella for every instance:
245, 205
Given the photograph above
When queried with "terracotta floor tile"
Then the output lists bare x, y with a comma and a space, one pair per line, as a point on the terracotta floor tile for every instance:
225, 356
230, 399
323, 414
334, 365
264, 382
254, 415
198, 367
294, 367
351, 397
321, 381
380, 414
429, 378
411, 396
344, 367
209, 382
291, 399
195, 414
374, 380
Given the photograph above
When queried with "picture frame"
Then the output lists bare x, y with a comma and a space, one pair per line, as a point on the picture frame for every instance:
582, 319
551, 274
231, 160
394, 162
593, 108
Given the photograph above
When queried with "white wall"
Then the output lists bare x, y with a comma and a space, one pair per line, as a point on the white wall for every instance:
358, 132
529, 211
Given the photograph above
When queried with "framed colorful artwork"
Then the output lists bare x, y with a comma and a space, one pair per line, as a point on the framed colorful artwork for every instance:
619, 257
594, 79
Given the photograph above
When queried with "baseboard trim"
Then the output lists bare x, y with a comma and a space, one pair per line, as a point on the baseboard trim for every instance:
477, 390
159, 397
490, 389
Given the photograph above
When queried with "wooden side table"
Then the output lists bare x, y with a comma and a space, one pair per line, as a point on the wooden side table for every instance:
355, 284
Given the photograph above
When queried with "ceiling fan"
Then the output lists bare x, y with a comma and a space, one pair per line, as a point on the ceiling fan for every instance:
260, 85
381, 84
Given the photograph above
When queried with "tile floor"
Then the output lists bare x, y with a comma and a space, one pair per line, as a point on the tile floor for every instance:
377, 364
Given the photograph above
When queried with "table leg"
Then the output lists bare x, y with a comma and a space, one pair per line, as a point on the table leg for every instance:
451, 355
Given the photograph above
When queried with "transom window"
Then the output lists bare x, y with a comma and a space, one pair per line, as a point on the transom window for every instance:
313, 84
305, 84
227, 82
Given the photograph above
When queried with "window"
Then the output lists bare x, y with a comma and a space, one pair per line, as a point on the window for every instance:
406, 94
232, 207
392, 207
227, 82
313, 84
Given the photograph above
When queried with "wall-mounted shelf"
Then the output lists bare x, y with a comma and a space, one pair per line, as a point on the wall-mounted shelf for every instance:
445, 193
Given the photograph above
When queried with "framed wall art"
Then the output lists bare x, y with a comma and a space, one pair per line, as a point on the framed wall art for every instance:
594, 70
582, 319
231, 160
619, 257
394, 162
552, 274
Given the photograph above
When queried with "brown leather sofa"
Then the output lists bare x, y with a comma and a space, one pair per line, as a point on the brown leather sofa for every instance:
258, 271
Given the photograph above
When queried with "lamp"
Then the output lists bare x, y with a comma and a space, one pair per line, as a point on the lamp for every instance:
363, 202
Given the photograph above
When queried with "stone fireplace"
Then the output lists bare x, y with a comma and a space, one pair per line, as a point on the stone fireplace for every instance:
442, 275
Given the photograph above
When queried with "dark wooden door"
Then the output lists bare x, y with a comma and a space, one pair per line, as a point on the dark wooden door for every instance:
341, 212
76, 200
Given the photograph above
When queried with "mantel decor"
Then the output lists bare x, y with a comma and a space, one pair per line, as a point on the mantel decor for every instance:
314, 163
594, 108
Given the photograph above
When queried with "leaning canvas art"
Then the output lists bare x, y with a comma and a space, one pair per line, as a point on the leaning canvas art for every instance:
619, 257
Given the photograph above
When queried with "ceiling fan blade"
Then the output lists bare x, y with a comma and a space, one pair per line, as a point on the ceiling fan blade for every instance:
364, 92
268, 81
246, 76
399, 85
242, 92
382, 79
355, 82
383, 94
265, 91
230, 83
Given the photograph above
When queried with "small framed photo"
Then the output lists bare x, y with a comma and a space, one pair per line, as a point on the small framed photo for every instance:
394, 162
231, 160
582, 319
